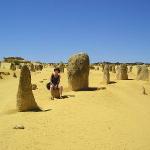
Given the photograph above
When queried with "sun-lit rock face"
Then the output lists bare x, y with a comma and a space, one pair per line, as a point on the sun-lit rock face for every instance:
142, 73
78, 71
106, 75
122, 72
25, 98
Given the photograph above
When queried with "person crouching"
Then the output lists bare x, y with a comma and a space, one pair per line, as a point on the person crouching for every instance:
55, 83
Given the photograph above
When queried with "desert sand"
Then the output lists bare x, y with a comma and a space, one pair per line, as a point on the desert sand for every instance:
113, 117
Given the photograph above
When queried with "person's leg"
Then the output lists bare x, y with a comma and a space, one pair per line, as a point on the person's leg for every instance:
51, 90
60, 90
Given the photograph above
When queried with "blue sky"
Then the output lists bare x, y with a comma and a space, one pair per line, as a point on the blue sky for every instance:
52, 30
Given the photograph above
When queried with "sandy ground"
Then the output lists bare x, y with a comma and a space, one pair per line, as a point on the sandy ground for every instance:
115, 118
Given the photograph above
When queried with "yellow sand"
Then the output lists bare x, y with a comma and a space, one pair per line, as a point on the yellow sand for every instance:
115, 118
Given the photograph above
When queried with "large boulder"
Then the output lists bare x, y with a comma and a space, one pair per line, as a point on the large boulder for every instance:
78, 71
25, 97
110, 68
122, 72
39, 67
32, 68
20, 66
142, 73
130, 69
55, 93
13, 67
61, 66
103, 65
106, 75
113, 69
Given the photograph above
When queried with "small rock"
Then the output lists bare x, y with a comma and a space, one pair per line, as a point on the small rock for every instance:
19, 127
34, 86
14, 75
144, 91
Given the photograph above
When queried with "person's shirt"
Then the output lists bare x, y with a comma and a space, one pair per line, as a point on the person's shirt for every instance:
55, 80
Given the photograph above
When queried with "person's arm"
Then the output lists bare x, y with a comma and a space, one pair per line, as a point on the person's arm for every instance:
58, 80
51, 79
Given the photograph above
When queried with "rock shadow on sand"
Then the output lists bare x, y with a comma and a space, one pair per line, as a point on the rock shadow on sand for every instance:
93, 89
65, 97
41, 110
14, 111
112, 82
